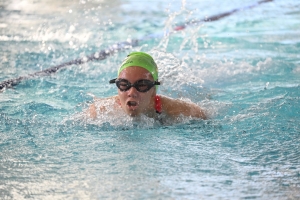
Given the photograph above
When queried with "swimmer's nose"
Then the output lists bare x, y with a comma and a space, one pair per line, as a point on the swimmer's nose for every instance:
132, 92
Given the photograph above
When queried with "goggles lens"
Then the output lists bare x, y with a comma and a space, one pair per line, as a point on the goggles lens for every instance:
142, 85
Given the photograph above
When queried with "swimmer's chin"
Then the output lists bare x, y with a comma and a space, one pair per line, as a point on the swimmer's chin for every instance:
133, 114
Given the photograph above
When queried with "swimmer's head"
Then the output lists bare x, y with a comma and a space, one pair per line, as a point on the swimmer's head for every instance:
140, 59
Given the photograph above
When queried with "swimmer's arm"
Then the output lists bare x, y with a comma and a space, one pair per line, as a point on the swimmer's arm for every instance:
176, 107
91, 112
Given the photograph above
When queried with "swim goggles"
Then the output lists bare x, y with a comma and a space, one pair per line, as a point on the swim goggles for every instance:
142, 85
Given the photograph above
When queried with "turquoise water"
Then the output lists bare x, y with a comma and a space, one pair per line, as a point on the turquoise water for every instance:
243, 69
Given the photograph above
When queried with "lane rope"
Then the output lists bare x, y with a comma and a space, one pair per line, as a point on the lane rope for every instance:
121, 46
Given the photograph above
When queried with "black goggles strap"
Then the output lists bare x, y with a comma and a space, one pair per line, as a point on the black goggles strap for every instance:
112, 81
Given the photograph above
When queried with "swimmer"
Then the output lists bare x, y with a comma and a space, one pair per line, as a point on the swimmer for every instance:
137, 84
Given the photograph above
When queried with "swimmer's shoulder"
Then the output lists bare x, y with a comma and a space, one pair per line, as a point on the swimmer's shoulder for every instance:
176, 107
99, 105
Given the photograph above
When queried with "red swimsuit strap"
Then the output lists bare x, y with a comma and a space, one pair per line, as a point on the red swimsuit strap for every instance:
158, 106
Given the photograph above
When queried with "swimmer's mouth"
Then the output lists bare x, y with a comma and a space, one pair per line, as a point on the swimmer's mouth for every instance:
132, 104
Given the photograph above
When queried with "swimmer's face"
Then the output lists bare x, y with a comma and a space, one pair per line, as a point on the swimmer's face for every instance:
132, 101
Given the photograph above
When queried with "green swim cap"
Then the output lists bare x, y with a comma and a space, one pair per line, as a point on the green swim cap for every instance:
140, 59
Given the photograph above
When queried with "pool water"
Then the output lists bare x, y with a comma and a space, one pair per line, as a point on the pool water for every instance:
243, 69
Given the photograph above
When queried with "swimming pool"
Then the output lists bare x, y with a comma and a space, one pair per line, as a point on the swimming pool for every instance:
243, 69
